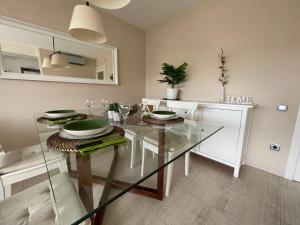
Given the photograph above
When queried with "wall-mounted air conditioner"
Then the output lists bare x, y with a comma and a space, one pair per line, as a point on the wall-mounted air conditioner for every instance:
75, 59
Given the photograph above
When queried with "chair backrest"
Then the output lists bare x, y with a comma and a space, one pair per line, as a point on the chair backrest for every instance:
185, 109
8, 158
150, 105
185, 128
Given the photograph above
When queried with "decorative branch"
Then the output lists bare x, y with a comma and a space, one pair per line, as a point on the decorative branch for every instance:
223, 78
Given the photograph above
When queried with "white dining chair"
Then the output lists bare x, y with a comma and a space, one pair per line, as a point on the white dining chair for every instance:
38, 204
21, 164
132, 133
187, 111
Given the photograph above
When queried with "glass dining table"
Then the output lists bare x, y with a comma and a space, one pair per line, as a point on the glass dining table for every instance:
88, 182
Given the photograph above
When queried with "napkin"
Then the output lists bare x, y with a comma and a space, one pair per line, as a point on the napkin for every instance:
98, 143
60, 121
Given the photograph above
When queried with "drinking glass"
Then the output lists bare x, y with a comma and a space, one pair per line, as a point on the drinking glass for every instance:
124, 110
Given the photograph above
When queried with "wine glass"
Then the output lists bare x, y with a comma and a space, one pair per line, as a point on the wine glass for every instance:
90, 104
105, 104
141, 108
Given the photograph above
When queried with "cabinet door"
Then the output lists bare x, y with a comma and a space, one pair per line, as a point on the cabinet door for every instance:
223, 144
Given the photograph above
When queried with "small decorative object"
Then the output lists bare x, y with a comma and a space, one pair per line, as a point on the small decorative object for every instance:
223, 78
173, 76
247, 100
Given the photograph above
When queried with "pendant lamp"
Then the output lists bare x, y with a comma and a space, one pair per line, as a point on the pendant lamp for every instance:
46, 63
86, 25
58, 61
110, 4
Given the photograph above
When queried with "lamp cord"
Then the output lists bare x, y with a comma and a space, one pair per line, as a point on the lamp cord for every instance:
53, 45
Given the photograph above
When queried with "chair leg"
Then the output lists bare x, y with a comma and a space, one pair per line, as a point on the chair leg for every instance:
187, 163
73, 163
169, 178
133, 152
7, 191
143, 160
1, 191
236, 171
63, 166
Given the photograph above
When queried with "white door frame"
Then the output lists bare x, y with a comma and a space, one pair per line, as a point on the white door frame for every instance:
294, 151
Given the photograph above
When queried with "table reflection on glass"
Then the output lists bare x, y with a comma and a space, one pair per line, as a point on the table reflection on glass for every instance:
102, 176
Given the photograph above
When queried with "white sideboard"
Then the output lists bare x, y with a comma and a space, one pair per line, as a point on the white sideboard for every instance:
229, 145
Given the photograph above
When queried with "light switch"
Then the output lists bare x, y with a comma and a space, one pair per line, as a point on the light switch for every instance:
282, 107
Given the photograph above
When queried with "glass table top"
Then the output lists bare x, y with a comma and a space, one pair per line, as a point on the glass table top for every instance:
86, 183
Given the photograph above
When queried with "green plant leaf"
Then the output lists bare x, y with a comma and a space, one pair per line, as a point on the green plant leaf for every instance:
173, 75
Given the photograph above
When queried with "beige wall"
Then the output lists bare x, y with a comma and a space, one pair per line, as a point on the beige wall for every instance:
262, 42
19, 99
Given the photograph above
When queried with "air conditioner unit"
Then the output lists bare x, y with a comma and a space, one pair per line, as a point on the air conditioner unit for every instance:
75, 59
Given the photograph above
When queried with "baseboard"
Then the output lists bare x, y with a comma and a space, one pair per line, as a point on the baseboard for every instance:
264, 168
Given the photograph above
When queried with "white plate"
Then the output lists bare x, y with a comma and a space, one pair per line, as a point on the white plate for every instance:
162, 117
170, 118
60, 115
66, 135
86, 132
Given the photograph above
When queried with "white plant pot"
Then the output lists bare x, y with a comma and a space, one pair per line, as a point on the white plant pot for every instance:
110, 115
117, 117
172, 93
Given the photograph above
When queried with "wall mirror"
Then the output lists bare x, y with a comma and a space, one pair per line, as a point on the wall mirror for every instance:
30, 52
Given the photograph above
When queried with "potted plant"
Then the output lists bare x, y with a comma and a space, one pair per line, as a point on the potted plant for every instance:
110, 111
173, 76
116, 113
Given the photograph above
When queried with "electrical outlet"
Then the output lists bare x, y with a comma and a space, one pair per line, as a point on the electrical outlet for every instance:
275, 147
282, 107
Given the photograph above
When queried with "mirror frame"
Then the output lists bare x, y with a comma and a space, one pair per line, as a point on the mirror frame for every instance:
38, 29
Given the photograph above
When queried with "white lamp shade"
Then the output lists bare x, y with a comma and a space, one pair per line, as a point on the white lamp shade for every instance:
46, 63
110, 4
86, 25
58, 61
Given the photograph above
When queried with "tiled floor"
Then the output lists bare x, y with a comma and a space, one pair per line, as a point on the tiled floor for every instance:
211, 196
208, 196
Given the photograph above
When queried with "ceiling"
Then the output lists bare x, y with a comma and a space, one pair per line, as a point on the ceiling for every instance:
144, 13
